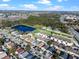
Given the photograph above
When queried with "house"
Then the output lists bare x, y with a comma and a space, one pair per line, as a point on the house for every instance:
23, 55
64, 55
51, 49
27, 38
70, 56
40, 44
9, 44
6, 57
27, 55
19, 50
0, 48
35, 42
41, 36
2, 54
46, 46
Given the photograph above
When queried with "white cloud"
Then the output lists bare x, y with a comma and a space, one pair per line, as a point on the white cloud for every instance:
29, 7
6, 0
61, 0
6, 6
44, 2
54, 8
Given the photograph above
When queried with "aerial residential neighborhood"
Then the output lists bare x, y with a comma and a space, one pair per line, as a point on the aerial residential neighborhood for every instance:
39, 29
31, 42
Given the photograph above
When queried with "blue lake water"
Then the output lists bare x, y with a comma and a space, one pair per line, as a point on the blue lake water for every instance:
23, 28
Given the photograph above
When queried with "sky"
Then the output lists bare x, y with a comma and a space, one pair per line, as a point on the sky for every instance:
40, 5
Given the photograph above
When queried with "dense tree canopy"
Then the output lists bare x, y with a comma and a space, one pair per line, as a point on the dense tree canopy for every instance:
45, 20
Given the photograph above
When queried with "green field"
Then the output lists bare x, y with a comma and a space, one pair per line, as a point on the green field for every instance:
61, 34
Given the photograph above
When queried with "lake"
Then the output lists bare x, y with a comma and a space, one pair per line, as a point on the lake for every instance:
23, 28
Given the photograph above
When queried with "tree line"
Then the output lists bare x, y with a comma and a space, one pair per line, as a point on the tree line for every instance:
45, 20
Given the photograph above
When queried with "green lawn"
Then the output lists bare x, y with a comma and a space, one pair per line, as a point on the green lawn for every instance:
53, 32
42, 31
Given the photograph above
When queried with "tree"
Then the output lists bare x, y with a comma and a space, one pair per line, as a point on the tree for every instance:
55, 56
11, 50
28, 48
49, 42
1, 41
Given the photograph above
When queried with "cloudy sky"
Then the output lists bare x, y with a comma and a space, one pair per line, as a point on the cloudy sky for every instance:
40, 5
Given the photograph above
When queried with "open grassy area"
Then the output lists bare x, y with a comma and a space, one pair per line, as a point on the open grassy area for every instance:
42, 31
61, 34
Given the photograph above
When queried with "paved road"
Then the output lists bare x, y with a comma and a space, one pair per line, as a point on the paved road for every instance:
73, 32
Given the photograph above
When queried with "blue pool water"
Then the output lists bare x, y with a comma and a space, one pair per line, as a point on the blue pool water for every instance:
23, 28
